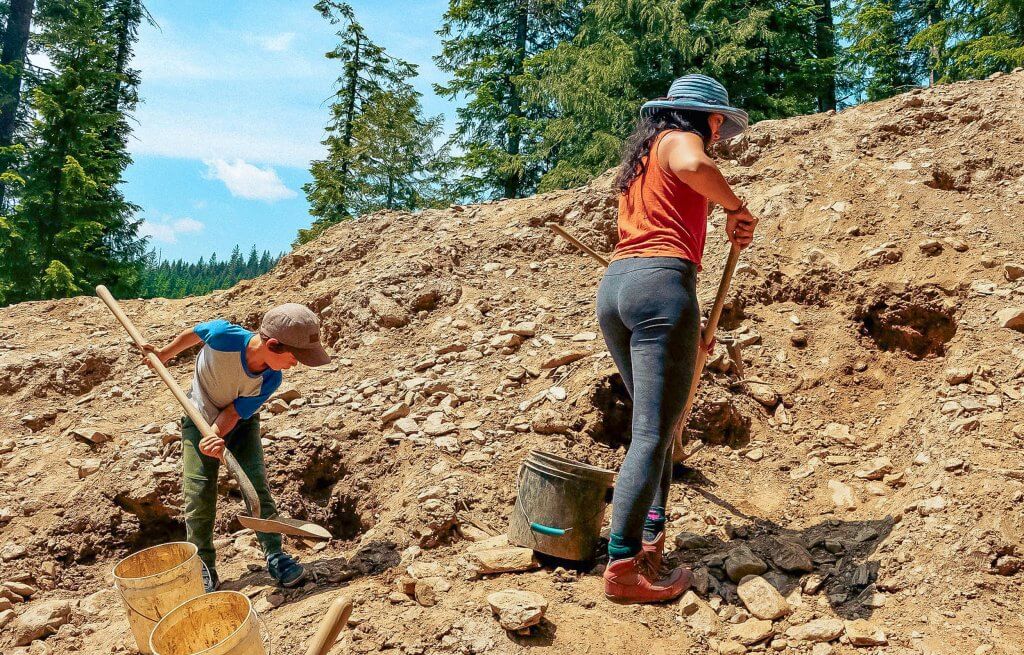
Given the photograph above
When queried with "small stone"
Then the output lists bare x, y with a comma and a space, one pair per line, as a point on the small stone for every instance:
517, 609
1013, 272
502, 560
862, 632
90, 435
839, 432
564, 358
88, 467
762, 599
958, 375
822, 648
876, 469
548, 421
791, 556
752, 631
1011, 318
930, 247
40, 620
731, 647
742, 562
406, 425
427, 591
825, 629
932, 505
842, 495
401, 410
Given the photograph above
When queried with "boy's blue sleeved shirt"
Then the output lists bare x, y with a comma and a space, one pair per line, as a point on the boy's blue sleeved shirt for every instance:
222, 376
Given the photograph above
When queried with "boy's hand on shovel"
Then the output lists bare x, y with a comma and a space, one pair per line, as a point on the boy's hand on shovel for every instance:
148, 348
212, 446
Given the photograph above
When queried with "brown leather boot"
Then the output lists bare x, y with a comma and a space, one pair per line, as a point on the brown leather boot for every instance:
655, 549
633, 580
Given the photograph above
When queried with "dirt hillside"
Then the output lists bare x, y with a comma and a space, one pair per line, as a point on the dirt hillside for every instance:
866, 423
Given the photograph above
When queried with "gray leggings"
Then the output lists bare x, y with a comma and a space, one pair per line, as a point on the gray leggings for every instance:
647, 308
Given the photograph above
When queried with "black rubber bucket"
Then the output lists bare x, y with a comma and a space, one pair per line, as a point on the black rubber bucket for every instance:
560, 506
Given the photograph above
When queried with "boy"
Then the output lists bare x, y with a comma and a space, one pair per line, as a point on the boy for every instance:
236, 371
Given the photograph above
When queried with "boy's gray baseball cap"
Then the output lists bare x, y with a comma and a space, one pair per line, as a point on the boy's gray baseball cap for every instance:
297, 327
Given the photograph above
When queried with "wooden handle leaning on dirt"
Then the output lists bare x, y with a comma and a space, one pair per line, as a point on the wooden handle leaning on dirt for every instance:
560, 231
706, 338
332, 624
248, 491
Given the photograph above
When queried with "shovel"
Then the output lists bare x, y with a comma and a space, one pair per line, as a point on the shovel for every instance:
276, 524
707, 337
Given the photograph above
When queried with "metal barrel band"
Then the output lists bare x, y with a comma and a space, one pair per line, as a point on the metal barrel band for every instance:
148, 618
535, 526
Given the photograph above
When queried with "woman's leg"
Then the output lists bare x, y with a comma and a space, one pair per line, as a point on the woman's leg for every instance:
659, 307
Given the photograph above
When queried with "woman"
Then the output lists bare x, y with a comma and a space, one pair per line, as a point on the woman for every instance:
647, 308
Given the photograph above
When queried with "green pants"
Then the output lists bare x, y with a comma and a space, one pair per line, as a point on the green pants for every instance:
200, 484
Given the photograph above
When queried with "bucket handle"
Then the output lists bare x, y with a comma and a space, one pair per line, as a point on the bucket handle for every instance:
148, 618
269, 641
536, 527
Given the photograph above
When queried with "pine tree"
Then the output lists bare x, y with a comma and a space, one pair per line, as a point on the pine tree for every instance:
628, 51
971, 38
13, 56
485, 46
367, 70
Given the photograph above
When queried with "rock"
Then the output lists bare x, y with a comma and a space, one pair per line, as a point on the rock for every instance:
762, 392
6, 616
932, 505
388, 312
700, 617
692, 541
475, 458
839, 432
277, 406
958, 375
427, 591
548, 421
90, 435
790, 556
876, 469
41, 620
741, 562
842, 495
825, 629
88, 467
286, 393
12, 551
731, 647
525, 329
752, 631
1011, 318
762, 599
565, 358
406, 425
420, 569
862, 632
20, 588
517, 609
1013, 272
822, 648
401, 410
930, 247
502, 560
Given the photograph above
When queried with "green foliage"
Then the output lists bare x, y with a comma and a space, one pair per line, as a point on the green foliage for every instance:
380, 150
72, 228
177, 279
485, 46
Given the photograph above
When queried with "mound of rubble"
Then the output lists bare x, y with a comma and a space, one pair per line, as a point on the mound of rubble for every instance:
862, 490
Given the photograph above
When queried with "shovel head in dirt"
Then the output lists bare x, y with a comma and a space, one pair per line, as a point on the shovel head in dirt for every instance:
278, 524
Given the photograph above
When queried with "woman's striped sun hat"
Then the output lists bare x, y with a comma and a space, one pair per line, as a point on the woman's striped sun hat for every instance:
701, 93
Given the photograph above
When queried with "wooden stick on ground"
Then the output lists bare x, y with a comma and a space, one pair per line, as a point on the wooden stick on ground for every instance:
560, 231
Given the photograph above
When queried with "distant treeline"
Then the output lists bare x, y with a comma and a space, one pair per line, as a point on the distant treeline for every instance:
177, 279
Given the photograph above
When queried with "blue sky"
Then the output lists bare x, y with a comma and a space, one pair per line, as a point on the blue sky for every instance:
235, 98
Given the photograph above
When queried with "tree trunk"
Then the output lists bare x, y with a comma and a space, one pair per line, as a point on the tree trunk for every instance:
514, 181
350, 113
825, 49
14, 48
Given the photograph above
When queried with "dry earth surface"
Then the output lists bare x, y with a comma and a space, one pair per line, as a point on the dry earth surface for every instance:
866, 422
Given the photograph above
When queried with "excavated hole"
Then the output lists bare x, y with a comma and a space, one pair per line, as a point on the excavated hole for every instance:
919, 330
720, 422
156, 523
616, 413
343, 518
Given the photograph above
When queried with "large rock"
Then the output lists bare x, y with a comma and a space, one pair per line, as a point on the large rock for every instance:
842, 495
41, 620
824, 629
517, 610
741, 562
1011, 318
862, 632
700, 617
389, 314
790, 556
502, 560
762, 599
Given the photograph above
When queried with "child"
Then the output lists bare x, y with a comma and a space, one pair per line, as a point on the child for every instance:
236, 371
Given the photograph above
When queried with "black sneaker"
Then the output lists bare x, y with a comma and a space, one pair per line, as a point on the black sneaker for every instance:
285, 570
210, 580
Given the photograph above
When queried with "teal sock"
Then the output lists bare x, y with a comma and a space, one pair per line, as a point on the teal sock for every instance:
621, 548
654, 524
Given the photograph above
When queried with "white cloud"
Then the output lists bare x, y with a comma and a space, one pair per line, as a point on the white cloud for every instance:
278, 42
167, 230
245, 180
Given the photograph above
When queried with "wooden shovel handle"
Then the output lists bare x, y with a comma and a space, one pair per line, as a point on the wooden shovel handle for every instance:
335, 619
248, 491
706, 338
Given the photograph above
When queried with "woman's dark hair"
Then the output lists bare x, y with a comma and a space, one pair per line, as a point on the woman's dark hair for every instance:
638, 144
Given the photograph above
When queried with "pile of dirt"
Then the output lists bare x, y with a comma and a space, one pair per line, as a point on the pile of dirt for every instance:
867, 465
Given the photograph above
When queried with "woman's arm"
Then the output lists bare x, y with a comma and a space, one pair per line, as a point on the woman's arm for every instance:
682, 153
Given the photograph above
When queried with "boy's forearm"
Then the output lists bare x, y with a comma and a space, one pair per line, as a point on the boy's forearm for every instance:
182, 342
226, 420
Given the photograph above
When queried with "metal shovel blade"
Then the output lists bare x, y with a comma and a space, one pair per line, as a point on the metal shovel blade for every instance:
282, 525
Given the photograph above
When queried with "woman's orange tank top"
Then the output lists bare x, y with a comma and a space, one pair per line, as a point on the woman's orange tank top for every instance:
660, 216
